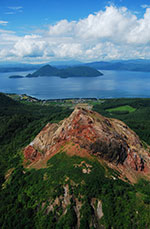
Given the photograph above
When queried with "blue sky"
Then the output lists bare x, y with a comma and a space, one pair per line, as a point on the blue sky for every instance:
87, 30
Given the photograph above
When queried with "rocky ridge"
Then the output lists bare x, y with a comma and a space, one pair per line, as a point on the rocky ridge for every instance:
86, 133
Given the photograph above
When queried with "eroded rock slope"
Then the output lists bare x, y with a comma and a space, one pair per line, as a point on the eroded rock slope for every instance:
87, 133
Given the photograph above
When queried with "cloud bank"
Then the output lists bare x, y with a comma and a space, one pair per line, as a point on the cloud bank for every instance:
15, 7
114, 33
3, 22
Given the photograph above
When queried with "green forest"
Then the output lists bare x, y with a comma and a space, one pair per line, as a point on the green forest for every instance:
77, 71
26, 194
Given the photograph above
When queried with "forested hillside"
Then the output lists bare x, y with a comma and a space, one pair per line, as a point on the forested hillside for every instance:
19, 124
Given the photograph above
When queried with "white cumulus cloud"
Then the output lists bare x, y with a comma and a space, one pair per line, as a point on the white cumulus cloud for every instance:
3, 22
112, 33
15, 7
62, 28
30, 45
145, 6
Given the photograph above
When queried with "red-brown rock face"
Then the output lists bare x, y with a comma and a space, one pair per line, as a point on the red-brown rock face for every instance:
87, 133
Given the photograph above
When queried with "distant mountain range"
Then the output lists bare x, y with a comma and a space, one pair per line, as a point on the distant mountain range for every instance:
17, 67
126, 65
117, 65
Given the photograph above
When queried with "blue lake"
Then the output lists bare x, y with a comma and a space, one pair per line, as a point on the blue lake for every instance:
113, 84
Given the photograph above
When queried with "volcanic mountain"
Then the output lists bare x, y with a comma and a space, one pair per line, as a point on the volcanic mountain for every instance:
86, 133
76, 71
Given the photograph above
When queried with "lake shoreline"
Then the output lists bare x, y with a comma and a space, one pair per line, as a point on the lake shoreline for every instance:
25, 97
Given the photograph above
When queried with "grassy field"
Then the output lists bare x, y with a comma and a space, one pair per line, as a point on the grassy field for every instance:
122, 108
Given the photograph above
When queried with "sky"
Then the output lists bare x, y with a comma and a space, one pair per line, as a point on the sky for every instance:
40, 31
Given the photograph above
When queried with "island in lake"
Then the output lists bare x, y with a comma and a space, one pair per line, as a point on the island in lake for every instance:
16, 77
77, 71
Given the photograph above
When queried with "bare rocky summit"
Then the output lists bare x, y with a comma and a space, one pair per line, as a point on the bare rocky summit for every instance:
88, 134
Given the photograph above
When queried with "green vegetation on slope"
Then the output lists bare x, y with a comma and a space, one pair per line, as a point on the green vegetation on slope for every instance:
48, 70
19, 124
30, 193
79, 71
